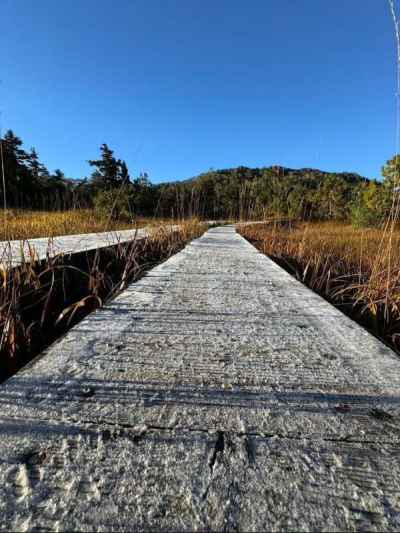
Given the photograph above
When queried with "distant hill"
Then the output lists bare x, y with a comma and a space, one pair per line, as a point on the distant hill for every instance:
253, 192
250, 173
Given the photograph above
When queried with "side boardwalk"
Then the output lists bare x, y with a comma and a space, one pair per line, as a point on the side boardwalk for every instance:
215, 393
13, 253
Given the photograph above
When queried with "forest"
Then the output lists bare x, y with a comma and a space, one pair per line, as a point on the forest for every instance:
236, 193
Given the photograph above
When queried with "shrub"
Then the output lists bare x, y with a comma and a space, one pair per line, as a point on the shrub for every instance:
115, 204
361, 216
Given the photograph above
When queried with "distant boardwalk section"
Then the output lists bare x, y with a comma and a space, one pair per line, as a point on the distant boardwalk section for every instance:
216, 393
11, 252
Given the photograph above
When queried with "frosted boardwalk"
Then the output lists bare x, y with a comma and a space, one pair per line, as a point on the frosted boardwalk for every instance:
217, 393
12, 252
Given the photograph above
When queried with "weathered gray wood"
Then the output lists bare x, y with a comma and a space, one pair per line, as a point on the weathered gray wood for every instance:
15, 252
215, 393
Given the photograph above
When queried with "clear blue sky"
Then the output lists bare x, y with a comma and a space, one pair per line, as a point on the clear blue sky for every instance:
178, 86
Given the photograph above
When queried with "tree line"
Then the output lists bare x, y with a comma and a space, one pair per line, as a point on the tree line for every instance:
236, 193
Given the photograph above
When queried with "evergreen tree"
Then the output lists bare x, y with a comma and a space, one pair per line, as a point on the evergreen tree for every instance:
110, 173
14, 168
123, 172
391, 182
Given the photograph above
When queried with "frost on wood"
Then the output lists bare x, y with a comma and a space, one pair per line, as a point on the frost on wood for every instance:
215, 393
14, 252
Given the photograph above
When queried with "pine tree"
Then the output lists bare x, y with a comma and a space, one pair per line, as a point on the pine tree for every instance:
110, 172
14, 169
123, 172
38, 171
391, 182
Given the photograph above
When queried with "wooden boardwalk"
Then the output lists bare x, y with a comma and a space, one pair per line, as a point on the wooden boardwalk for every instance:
216, 393
14, 252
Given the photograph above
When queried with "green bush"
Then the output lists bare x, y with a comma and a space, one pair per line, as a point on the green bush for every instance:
115, 204
361, 216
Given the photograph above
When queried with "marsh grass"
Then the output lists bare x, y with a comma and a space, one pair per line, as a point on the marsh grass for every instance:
358, 270
24, 224
41, 300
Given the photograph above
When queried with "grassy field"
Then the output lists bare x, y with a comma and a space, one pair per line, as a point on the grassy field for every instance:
356, 269
18, 224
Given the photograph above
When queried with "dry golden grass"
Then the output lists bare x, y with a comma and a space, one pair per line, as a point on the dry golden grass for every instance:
356, 269
31, 224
